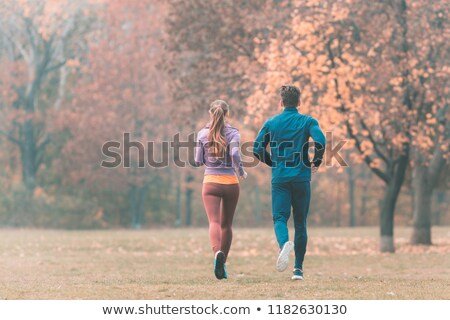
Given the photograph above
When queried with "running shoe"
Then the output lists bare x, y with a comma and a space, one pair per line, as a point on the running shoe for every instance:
283, 257
219, 263
297, 274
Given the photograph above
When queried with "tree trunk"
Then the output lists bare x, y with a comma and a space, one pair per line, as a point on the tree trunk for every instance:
338, 206
351, 196
136, 200
440, 200
387, 220
178, 199
423, 192
28, 156
189, 192
392, 190
363, 204
132, 198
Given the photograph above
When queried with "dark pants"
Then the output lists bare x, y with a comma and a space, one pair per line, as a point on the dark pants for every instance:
220, 202
284, 196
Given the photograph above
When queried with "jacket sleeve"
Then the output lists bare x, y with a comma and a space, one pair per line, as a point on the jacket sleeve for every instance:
236, 154
199, 153
260, 145
319, 142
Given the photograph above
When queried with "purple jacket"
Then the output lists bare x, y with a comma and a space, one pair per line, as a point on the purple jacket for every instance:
231, 163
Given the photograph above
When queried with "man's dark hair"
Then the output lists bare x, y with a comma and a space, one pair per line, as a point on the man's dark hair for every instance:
290, 95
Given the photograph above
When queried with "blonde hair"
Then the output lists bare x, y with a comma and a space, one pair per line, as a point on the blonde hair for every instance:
216, 138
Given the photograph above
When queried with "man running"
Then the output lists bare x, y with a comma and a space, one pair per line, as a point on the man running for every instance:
288, 134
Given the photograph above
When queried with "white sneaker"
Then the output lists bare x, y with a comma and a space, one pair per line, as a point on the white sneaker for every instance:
283, 257
297, 274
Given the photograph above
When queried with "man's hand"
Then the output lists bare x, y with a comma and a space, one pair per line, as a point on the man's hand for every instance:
314, 169
244, 176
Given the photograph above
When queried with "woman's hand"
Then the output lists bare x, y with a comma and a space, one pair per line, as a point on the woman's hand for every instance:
244, 176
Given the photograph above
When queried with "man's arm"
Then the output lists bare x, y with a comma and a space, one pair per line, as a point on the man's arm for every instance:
260, 145
319, 142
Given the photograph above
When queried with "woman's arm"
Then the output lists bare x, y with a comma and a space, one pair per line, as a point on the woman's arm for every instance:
199, 154
235, 151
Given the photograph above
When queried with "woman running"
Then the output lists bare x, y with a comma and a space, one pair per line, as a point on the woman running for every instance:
218, 149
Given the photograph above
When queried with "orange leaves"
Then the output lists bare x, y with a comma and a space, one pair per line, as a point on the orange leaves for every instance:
72, 63
376, 163
356, 67
119, 89
257, 40
424, 142
431, 121
366, 147
301, 26
399, 139
396, 82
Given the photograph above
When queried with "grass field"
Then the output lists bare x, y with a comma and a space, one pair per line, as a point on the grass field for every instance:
177, 264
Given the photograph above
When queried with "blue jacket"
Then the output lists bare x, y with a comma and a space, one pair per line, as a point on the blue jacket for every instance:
288, 134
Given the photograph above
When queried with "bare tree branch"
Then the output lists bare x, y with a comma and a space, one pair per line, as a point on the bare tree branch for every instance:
10, 137
383, 175
375, 144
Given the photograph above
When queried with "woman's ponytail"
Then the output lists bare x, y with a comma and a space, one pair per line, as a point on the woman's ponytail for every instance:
216, 138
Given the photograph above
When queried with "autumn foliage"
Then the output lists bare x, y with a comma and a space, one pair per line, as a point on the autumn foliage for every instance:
77, 74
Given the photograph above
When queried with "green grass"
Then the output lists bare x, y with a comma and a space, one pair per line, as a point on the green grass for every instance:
177, 264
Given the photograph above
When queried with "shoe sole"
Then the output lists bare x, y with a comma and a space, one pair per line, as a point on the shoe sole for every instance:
283, 257
220, 262
297, 277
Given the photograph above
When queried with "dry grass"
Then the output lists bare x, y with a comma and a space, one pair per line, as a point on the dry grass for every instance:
177, 264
